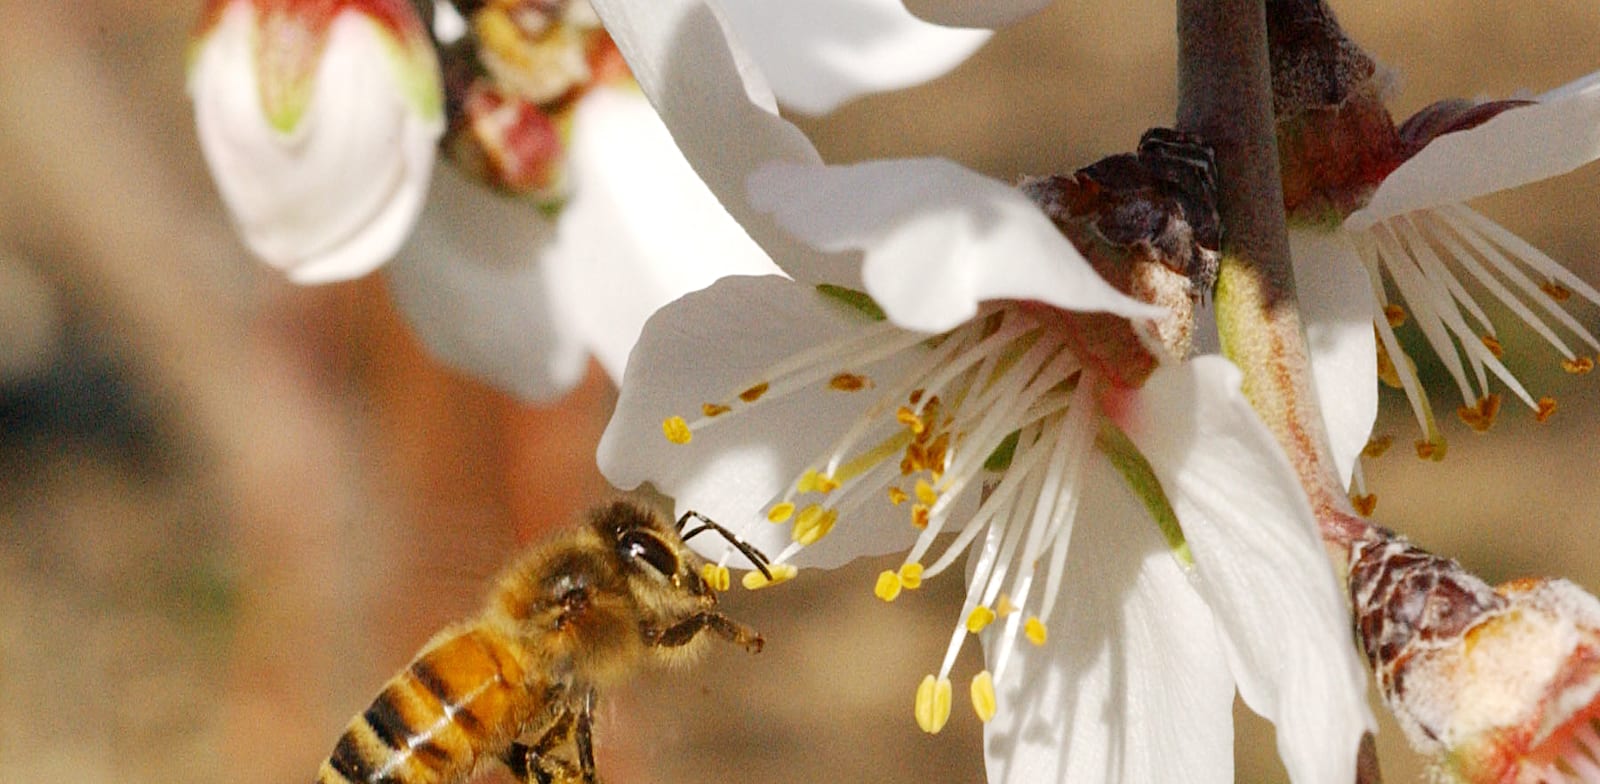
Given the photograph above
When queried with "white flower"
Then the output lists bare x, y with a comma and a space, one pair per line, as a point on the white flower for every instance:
520, 299
820, 53
863, 431
319, 122
503, 292
863, 437
1415, 237
975, 13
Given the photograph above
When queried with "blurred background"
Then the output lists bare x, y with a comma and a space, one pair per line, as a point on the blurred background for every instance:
230, 508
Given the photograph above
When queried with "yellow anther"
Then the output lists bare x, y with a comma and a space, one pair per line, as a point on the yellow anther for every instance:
814, 482
888, 586
935, 454
1377, 445
933, 704
716, 576
814, 523
897, 496
1395, 315
1577, 366
781, 573
1364, 504
807, 482
1493, 344
915, 459
1004, 607
1556, 291
1431, 450
1480, 417
677, 430
925, 492
1547, 406
849, 382
714, 409
983, 696
979, 618
1035, 632
781, 512
910, 419
754, 393
919, 516
911, 575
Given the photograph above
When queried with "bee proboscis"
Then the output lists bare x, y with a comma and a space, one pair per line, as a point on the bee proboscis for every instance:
517, 684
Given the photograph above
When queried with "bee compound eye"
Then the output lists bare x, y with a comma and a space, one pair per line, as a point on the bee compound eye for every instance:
637, 546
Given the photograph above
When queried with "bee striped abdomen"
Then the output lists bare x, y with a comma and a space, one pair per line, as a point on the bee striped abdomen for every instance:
461, 699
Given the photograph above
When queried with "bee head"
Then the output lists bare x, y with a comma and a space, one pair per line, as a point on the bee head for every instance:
647, 547
650, 548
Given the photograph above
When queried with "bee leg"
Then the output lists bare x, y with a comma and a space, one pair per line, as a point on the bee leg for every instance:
584, 739
524, 764
687, 629
536, 764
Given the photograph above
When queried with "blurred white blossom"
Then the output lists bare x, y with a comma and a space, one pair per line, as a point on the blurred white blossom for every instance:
319, 121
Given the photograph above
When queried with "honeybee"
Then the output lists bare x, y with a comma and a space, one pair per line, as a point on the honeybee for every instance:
517, 684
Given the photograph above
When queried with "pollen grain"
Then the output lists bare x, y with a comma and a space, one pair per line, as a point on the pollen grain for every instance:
849, 382
1577, 366
754, 393
1035, 631
979, 618
983, 701
911, 575
676, 430
933, 704
888, 587
781, 573
716, 576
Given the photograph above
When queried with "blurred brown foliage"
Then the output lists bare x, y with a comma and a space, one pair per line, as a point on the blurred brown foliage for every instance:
229, 507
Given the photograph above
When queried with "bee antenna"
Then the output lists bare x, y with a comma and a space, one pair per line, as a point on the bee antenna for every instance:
757, 558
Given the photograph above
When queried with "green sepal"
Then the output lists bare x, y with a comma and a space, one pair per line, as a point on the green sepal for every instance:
857, 300
1141, 479
1000, 458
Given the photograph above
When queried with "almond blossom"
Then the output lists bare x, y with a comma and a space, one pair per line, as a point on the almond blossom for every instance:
1392, 220
1142, 550
319, 119
593, 219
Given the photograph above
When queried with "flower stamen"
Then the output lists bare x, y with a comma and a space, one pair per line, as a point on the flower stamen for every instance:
1417, 252
933, 704
781, 573
983, 699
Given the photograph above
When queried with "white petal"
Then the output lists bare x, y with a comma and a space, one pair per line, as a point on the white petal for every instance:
820, 53
336, 197
1516, 147
641, 229
938, 238
1259, 564
708, 346
975, 13
473, 287
722, 115
1132, 685
1336, 303
448, 24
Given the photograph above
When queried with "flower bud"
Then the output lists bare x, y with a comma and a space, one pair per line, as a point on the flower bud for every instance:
1147, 222
1501, 684
513, 87
319, 120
